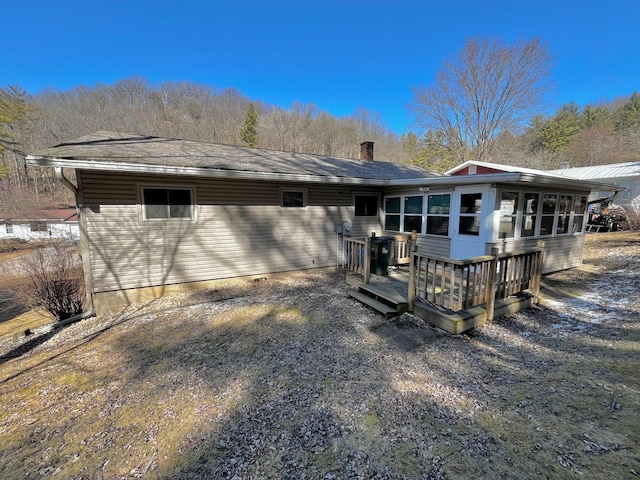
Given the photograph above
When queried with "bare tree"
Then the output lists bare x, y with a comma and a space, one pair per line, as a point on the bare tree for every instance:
489, 88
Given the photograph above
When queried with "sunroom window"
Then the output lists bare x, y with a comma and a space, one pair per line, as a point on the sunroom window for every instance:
564, 213
413, 213
549, 204
529, 214
508, 214
438, 207
579, 209
470, 209
392, 213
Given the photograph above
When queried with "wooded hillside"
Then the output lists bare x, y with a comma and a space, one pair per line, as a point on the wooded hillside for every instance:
605, 133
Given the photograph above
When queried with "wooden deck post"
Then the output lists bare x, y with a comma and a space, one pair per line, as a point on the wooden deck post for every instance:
367, 260
411, 294
537, 270
490, 299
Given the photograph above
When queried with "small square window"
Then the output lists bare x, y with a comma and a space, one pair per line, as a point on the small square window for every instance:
366, 205
293, 198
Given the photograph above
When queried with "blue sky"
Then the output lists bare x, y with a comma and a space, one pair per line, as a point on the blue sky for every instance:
339, 55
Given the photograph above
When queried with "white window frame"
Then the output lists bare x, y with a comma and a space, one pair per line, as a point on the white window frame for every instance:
303, 190
163, 186
440, 214
538, 213
424, 215
515, 216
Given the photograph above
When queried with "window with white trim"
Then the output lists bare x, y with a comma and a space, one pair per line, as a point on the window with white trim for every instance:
579, 209
549, 210
470, 209
509, 206
392, 213
9, 228
293, 197
540, 214
564, 214
426, 214
529, 214
161, 203
413, 214
438, 209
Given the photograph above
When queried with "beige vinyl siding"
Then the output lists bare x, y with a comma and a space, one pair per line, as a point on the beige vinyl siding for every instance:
434, 245
240, 229
560, 253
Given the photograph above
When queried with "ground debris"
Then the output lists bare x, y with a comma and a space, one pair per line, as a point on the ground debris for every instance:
290, 379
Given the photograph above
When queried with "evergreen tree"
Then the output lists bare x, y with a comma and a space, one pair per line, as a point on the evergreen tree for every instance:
554, 134
627, 117
596, 117
249, 131
13, 112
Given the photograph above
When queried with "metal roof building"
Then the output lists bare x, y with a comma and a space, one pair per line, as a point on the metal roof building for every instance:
623, 174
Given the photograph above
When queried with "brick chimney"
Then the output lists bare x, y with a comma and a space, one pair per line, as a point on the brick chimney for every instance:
366, 151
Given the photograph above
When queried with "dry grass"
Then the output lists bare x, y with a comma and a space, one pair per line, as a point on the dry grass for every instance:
286, 379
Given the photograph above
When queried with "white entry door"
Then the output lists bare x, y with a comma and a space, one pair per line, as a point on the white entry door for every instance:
469, 211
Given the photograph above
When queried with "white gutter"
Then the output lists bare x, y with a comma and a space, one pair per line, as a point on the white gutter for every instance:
198, 171
517, 177
65, 181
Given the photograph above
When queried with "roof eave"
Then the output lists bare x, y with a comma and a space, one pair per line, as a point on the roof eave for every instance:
492, 178
198, 171
518, 178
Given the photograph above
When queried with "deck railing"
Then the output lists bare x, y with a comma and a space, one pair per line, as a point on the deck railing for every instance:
357, 256
402, 247
460, 284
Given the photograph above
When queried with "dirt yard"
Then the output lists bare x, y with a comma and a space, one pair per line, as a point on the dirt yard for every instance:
291, 379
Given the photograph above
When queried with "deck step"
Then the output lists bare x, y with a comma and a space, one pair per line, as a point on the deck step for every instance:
387, 293
386, 310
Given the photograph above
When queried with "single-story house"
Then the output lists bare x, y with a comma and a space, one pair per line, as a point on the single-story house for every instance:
621, 174
160, 214
40, 224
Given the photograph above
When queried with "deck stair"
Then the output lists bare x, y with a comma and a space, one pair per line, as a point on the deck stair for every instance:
385, 299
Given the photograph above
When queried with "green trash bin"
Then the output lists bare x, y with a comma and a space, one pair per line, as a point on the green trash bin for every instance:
380, 255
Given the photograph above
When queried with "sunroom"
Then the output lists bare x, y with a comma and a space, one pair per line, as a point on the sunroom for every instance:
477, 244
466, 218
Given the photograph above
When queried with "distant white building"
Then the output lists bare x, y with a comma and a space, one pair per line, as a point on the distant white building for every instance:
41, 225
621, 174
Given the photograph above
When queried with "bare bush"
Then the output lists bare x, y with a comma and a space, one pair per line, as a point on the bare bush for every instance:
632, 214
53, 281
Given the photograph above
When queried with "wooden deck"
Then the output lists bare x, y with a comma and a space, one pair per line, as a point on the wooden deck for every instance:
385, 293
388, 294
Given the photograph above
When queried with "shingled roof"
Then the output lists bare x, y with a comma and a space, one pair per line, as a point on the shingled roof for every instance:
143, 153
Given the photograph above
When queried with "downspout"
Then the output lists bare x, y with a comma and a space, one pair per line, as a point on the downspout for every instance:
65, 181
84, 251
